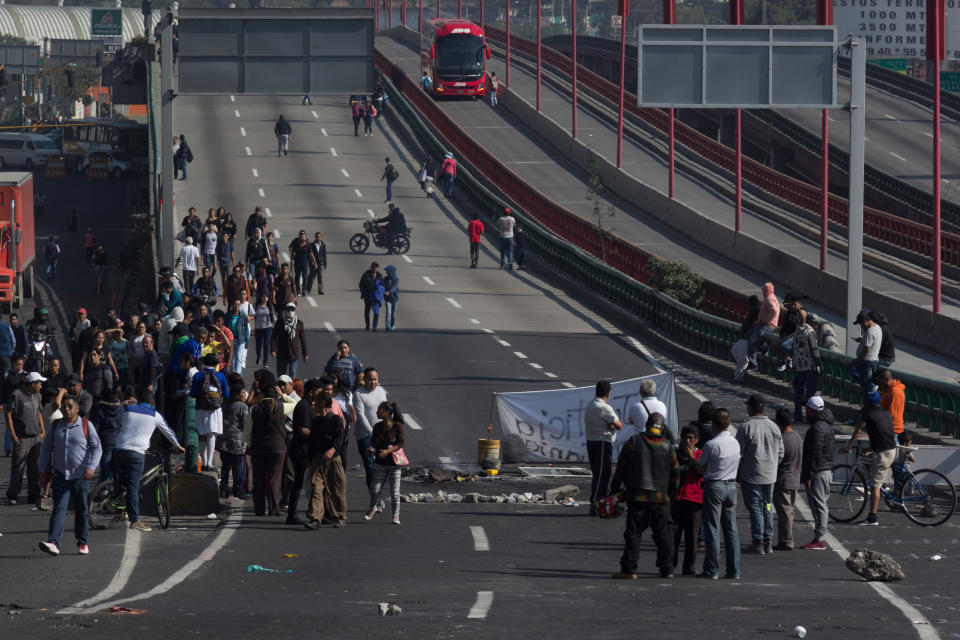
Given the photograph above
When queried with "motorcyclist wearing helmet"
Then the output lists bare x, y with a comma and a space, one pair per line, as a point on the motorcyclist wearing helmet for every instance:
649, 471
39, 327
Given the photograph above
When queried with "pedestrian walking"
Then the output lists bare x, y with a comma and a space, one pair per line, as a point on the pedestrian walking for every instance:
209, 390
601, 424
390, 175
7, 344
519, 245
107, 415
386, 447
366, 402
806, 363
26, 429
328, 480
879, 426
257, 252
427, 176
448, 172
718, 463
788, 480
282, 130
356, 112
688, 504
238, 323
425, 82
72, 451
344, 364
176, 156
371, 292
505, 227
318, 262
301, 257
263, 328
475, 234
298, 451
100, 265
391, 296
256, 220
288, 342
232, 445
494, 89
649, 472
369, 113
306, 100
268, 444
183, 157
225, 260
51, 252
274, 252
89, 244
210, 239
816, 468
761, 450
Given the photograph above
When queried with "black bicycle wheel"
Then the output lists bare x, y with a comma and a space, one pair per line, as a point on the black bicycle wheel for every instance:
163, 499
359, 243
928, 497
101, 505
848, 493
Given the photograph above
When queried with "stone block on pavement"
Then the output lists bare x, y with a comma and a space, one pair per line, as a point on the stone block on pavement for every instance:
193, 494
559, 493
874, 565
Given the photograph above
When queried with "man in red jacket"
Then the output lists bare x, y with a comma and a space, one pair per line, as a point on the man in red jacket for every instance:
448, 169
475, 230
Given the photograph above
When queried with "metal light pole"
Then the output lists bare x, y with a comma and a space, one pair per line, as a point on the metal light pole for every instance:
623, 64
573, 40
459, 9
858, 128
166, 135
507, 79
420, 18
935, 53
438, 8
736, 17
481, 13
539, 65
670, 17
824, 17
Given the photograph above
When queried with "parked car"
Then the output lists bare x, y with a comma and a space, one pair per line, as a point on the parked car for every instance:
26, 150
117, 163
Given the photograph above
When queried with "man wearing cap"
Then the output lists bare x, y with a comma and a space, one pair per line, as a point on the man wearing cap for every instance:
505, 226
868, 353
816, 468
448, 173
189, 255
76, 391
761, 447
25, 425
879, 425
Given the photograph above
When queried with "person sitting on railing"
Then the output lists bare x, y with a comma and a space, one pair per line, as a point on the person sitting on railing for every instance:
766, 322
826, 333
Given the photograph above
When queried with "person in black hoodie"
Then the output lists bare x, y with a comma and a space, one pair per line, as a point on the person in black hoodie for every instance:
888, 350
815, 468
107, 416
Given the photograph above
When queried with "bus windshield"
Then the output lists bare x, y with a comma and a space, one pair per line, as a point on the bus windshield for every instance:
460, 57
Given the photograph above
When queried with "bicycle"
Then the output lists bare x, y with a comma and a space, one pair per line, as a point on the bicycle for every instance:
108, 506
925, 496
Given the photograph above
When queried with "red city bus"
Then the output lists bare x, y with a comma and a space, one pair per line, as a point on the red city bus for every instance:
454, 55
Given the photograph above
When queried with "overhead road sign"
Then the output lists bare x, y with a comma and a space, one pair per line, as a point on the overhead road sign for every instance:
75, 51
895, 28
20, 59
106, 22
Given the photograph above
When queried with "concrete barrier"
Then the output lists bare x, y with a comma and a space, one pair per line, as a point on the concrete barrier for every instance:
195, 494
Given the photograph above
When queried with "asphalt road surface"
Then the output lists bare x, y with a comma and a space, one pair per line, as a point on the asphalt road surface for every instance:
455, 570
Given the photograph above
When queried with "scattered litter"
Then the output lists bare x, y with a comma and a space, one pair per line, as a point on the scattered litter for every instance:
800, 632
127, 611
388, 609
211, 516
13, 612
290, 555
255, 568
936, 556
570, 503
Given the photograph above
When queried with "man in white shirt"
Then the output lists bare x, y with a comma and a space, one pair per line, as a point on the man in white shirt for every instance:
601, 424
189, 255
366, 400
638, 413
718, 464
505, 225
868, 352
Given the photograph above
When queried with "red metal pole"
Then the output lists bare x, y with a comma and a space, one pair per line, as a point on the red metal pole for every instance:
376, 15
420, 18
539, 6
573, 55
736, 17
459, 9
481, 13
670, 17
438, 8
623, 64
935, 52
389, 14
824, 17
403, 12
507, 79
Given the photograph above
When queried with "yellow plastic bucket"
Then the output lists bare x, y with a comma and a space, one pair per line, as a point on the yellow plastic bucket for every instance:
488, 453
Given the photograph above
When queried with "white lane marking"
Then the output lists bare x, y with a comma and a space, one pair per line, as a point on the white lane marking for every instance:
480, 542
921, 624
313, 303
520, 354
236, 113
329, 327
262, 194
890, 116
255, 174
503, 343
568, 385
131, 553
549, 375
928, 134
314, 114
267, 211
454, 303
232, 99
411, 422
429, 281
407, 258
482, 605
898, 156
322, 130
357, 191
535, 365
485, 330
243, 131
649, 358
344, 172
333, 152
372, 214
474, 321
445, 460
229, 528
249, 153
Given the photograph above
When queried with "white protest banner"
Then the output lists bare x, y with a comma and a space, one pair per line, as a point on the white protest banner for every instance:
551, 422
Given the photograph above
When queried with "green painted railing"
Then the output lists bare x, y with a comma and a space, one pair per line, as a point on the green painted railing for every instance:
930, 404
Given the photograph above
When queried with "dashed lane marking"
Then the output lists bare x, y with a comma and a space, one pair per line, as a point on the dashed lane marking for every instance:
503, 343
898, 156
267, 211
249, 153
485, 330
128, 562
255, 174
569, 385
233, 99
535, 365
322, 130
313, 303
649, 358
357, 191
344, 172
520, 354
429, 281
407, 258
411, 422
890, 116
315, 115
371, 213
333, 152
480, 542
474, 321
243, 131
262, 194
549, 375
236, 112
454, 303
329, 327
482, 606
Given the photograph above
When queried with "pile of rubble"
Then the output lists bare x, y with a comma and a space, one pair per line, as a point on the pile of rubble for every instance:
557, 495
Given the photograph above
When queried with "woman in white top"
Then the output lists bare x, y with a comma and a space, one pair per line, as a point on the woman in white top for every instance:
135, 346
263, 328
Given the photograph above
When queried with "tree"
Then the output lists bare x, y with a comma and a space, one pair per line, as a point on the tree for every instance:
678, 281
601, 214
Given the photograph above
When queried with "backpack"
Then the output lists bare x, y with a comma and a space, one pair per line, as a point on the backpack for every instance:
189, 155
373, 111
394, 174
210, 398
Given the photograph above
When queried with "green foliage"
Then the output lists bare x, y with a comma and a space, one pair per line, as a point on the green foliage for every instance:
603, 216
678, 281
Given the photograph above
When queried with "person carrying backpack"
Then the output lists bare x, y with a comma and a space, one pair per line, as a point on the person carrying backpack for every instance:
369, 113
183, 156
448, 170
390, 174
209, 389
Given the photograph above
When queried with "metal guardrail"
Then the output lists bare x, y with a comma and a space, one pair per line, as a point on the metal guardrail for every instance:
930, 404
894, 230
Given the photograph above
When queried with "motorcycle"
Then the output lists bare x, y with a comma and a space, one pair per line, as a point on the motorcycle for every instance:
372, 232
40, 352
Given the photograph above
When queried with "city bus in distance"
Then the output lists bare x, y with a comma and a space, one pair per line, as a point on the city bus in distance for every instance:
127, 137
454, 55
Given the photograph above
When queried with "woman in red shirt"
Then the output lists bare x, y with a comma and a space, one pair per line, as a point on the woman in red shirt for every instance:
475, 229
688, 502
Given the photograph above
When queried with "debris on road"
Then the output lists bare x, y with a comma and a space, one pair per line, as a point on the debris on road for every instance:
557, 493
936, 556
290, 555
388, 609
874, 566
255, 568
211, 516
800, 632
127, 611
440, 475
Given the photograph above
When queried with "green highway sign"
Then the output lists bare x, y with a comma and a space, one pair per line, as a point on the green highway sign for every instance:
897, 64
106, 22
